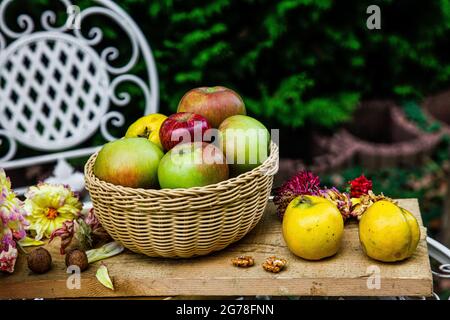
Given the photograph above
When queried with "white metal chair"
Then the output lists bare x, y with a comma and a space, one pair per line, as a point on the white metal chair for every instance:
57, 88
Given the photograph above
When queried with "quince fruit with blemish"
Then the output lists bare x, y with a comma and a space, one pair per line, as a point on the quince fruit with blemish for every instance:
147, 127
388, 232
313, 227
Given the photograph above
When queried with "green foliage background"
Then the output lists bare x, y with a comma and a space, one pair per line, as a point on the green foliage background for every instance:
294, 61
297, 60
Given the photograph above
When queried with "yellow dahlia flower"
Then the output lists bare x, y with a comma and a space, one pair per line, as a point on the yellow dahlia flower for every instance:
49, 205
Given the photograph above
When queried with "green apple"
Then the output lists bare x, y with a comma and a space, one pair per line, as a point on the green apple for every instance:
194, 164
245, 143
129, 162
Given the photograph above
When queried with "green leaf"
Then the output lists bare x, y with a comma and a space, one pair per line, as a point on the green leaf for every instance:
103, 277
30, 242
192, 76
154, 8
106, 251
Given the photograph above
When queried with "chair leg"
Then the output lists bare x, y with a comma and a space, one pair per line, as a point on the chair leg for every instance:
445, 233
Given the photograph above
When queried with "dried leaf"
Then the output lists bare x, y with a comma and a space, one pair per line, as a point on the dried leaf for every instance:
103, 277
106, 251
30, 242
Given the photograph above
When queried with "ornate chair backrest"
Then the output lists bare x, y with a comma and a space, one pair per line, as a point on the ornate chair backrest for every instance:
57, 88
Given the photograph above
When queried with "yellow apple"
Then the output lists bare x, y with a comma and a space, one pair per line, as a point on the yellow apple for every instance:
147, 127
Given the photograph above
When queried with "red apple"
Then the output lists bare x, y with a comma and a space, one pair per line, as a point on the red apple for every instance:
214, 103
182, 127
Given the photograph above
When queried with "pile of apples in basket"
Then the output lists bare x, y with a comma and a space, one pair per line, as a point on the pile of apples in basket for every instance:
208, 140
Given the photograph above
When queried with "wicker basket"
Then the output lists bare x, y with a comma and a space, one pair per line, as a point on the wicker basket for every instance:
183, 222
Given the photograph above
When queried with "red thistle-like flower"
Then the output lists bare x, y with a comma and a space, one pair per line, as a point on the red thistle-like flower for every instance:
303, 183
360, 186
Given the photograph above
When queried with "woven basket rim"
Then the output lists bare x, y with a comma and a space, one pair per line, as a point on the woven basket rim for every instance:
270, 163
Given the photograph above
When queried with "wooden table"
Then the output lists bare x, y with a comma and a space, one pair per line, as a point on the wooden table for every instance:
345, 274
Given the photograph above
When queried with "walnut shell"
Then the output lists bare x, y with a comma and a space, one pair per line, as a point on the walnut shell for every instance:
243, 261
39, 260
78, 258
274, 264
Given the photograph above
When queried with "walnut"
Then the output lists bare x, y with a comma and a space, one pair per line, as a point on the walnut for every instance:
243, 261
274, 264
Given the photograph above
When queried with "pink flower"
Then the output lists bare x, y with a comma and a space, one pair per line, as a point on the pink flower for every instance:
340, 199
91, 220
303, 183
66, 233
82, 233
12, 224
8, 259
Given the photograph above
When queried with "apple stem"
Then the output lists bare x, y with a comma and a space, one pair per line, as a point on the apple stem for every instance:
146, 133
303, 200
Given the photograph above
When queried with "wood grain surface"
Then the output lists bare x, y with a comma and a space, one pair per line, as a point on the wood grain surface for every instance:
345, 274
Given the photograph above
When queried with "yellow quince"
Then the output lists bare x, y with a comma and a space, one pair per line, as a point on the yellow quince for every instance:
313, 227
388, 232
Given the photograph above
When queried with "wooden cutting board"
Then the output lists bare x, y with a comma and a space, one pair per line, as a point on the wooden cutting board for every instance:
134, 275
